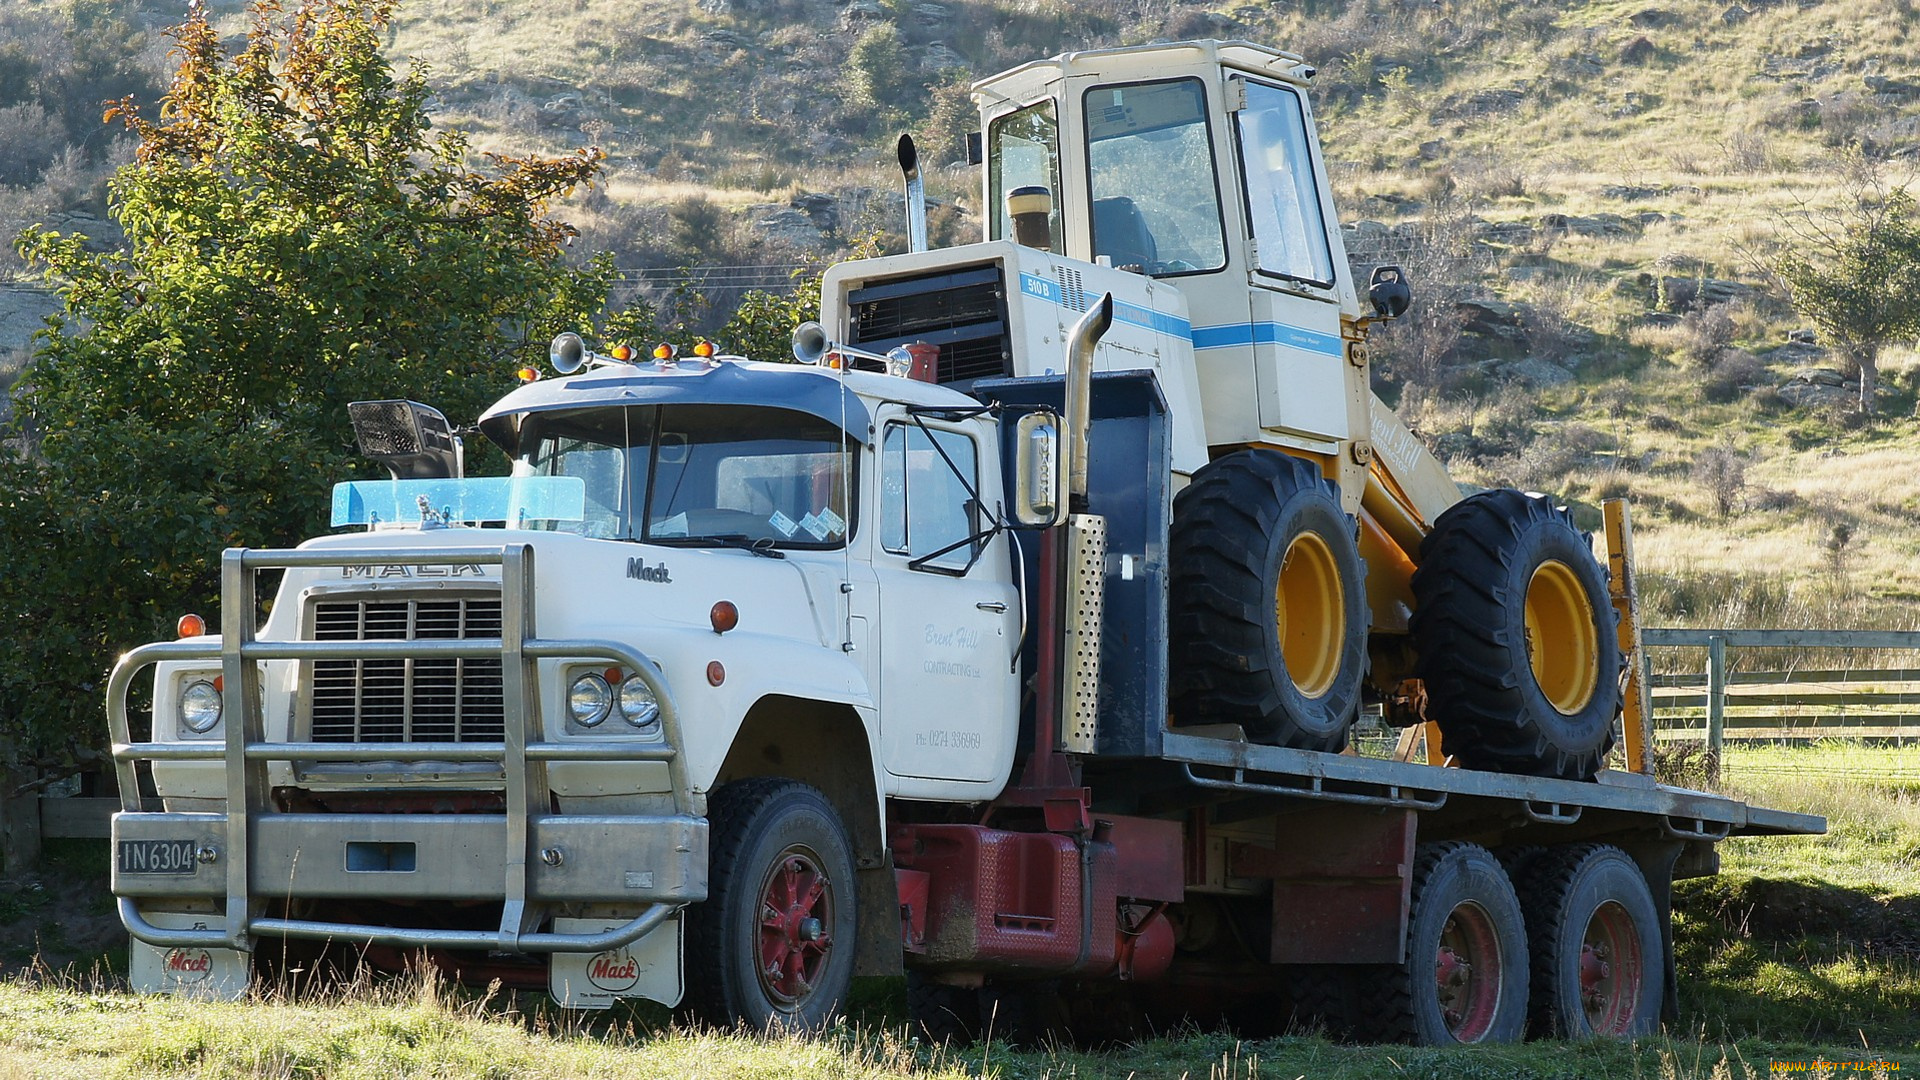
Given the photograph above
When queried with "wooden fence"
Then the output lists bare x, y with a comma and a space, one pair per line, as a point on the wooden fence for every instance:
1785, 702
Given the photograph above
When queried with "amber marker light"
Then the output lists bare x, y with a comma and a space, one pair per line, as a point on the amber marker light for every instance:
724, 616
190, 625
527, 374
665, 351
623, 353
716, 674
704, 350
614, 676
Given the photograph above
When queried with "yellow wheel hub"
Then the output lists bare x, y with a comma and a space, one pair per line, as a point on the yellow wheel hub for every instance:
1310, 611
1562, 641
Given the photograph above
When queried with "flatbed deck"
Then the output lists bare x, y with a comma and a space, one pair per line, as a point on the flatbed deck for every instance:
1613, 800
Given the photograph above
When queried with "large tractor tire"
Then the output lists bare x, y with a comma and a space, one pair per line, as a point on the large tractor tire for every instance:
772, 946
1599, 958
1268, 603
1515, 636
1465, 975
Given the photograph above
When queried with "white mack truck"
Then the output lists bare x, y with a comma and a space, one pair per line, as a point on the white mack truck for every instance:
1011, 640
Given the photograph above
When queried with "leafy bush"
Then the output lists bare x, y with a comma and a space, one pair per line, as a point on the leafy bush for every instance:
295, 239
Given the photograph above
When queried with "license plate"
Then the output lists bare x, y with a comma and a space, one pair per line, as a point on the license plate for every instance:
157, 857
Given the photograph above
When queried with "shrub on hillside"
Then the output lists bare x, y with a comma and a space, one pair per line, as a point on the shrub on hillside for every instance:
1733, 374
1722, 471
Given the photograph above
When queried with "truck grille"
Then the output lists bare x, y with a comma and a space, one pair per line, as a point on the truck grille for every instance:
413, 700
964, 312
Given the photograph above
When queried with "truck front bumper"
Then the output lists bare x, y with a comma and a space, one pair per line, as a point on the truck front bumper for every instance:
658, 861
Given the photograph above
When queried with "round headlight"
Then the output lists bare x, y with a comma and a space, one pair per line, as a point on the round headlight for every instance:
590, 700
199, 706
637, 703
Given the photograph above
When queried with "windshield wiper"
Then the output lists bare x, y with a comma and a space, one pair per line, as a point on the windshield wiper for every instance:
762, 547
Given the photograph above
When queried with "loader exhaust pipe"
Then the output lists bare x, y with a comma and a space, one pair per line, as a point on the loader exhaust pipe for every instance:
916, 194
1079, 395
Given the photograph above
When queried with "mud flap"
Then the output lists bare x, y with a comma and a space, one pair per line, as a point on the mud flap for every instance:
218, 974
649, 968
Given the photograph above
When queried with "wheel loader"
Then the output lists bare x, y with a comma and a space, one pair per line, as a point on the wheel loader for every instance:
1320, 557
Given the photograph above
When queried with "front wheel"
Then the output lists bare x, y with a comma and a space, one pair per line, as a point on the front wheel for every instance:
772, 945
1268, 616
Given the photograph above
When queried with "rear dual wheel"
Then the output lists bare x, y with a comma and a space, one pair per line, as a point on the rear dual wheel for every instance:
1599, 957
1465, 976
1268, 622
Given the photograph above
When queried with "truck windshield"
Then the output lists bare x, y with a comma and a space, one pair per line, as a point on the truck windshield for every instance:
699, 474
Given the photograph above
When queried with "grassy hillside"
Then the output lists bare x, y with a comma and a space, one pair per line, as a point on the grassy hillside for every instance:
1585, 195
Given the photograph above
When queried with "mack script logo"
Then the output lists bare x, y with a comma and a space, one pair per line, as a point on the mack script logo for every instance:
638, 570
188, 965
399, 570
614, 971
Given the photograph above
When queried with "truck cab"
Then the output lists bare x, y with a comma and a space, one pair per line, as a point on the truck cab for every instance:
702, 552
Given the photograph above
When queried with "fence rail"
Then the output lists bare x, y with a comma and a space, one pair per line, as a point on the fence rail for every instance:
1784, 704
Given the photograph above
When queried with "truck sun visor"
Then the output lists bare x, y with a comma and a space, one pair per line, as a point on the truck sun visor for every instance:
807, 390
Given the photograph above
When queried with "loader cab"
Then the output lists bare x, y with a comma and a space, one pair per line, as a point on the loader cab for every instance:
1197, 164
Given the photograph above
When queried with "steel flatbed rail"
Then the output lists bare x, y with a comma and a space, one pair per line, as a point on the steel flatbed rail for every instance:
1253, 769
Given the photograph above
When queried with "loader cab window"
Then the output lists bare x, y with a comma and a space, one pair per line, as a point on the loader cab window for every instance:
1023, 152
1156, 201
927, 506
1283, 201
699, 475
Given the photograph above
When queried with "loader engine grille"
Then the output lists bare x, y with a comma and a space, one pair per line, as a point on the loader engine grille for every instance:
423, 699
964, 312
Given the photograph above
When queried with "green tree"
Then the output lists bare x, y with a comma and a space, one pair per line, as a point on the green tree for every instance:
761, 327
296, 238
1855, 274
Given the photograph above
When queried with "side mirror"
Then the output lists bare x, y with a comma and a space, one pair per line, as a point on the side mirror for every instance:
412, 440
1388, 293
1036, 471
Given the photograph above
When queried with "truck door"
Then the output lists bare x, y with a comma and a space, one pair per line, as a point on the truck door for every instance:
949, 612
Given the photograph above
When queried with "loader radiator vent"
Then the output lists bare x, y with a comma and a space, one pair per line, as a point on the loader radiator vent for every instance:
964, 312
424, 699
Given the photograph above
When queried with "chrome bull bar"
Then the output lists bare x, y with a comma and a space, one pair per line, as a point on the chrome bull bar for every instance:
522, 754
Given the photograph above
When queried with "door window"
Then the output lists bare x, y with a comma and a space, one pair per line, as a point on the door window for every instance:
927, 506
1024, 151
1283, 201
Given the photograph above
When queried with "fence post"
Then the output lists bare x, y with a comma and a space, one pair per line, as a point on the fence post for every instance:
1716, 701
19, 834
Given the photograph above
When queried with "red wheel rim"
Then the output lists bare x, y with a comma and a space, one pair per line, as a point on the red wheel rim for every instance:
796, 927
1612, 970
1468, 972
